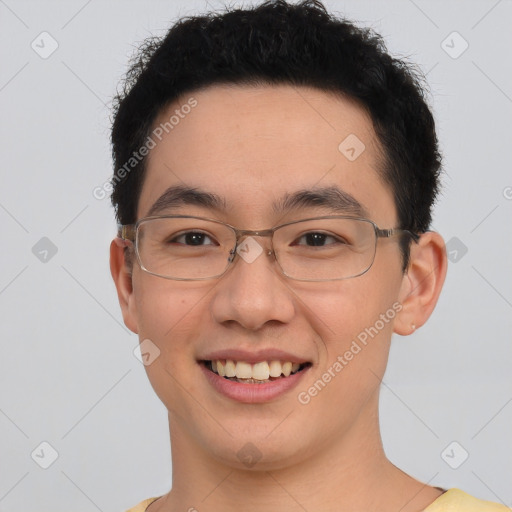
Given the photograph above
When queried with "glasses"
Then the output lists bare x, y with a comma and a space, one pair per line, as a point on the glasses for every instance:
188, 248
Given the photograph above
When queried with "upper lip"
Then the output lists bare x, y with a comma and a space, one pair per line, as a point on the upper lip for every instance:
253, 357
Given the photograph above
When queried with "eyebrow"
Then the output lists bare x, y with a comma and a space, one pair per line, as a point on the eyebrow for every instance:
180, 195
332, 198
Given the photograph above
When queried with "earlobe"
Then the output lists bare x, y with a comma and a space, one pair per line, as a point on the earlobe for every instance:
422, 283
121, 274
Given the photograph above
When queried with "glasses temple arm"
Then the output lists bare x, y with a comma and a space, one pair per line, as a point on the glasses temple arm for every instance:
126, 232
387, 233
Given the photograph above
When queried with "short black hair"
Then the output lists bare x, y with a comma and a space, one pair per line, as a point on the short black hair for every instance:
278, 42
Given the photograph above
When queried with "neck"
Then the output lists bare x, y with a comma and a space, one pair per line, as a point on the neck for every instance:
351, 469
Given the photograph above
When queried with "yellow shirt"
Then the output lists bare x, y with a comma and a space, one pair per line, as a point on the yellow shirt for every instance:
453, 500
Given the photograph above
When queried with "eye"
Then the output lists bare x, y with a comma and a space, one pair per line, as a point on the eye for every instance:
193, 238
317, 239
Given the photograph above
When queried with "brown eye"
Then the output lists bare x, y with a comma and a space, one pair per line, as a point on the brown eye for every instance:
193, 238
317, 239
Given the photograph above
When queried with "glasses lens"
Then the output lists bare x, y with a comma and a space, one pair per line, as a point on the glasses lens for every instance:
325, 249
184, 248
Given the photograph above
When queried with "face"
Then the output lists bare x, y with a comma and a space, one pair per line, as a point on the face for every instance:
251, 146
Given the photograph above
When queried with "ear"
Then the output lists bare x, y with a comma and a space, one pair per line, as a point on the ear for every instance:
422, 283
121, 272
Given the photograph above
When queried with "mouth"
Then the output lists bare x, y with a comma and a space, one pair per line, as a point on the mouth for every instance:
261, 372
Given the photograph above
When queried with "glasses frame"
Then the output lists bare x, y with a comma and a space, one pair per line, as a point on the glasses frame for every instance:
128, 233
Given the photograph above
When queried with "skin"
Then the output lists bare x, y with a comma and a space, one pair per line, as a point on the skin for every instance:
252, 144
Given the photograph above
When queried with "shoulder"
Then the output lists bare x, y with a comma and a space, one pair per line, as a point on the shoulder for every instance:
141, 507
455, 500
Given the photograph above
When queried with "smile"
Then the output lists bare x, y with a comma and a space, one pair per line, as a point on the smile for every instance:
259, 382
258, 373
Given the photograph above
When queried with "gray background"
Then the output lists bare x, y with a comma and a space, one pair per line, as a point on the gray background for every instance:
68, 373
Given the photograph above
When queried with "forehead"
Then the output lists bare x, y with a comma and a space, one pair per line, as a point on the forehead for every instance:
255, 146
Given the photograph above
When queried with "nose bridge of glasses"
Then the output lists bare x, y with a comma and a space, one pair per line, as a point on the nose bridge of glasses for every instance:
243, 234
259, 232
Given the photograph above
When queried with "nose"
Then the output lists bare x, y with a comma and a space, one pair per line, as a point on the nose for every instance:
253, 291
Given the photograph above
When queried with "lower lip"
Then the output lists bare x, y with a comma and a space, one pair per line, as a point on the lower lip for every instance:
252, 393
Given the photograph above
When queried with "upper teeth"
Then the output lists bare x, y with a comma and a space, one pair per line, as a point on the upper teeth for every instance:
258, 371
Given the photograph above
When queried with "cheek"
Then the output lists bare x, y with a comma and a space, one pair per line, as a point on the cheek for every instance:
169, 315
340, 310
354, 322
167, 309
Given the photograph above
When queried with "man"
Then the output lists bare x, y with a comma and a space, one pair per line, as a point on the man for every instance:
276, 171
